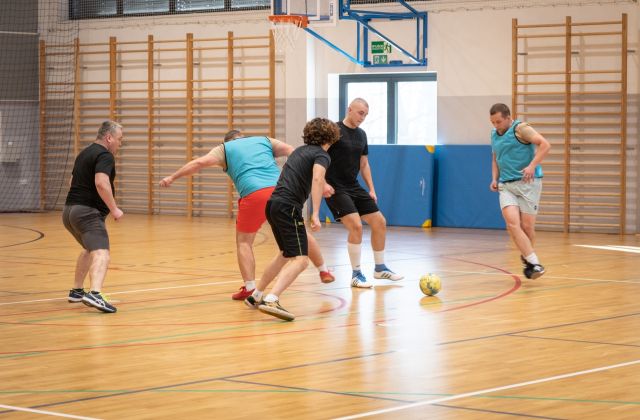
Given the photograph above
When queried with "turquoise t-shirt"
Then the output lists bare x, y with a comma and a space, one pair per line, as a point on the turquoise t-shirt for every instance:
250, 164
512, 155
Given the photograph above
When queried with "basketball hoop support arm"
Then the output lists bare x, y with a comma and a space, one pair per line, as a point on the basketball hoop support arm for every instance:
363, 19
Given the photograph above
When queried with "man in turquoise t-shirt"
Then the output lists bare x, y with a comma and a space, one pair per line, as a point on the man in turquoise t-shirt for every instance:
250, 163
517, 175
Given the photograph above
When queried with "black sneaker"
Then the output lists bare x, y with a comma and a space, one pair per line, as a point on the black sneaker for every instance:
274, 309
525, 263
252, 303
75, 295
98, 301
533, 271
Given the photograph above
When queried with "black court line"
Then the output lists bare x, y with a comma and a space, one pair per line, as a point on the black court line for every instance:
40, 236
568, 324
320, 391
606, 343
200, 381
505, 413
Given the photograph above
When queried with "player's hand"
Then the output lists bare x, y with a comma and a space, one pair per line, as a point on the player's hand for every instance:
117, 214
493, 186
373, 195
328, 191
528, 173
166, 182
315, 223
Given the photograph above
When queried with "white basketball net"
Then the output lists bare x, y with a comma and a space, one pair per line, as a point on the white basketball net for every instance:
285, 34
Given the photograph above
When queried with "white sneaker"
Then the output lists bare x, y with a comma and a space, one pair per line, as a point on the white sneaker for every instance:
387, 275
359, 280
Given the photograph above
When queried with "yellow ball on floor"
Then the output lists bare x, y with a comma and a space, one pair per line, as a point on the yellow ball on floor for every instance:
430, 284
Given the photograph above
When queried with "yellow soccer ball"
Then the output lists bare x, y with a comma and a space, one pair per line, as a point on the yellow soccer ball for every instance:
430, 284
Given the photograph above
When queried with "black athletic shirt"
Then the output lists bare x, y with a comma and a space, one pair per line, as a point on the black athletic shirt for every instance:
294, 184
345, 158
93, 159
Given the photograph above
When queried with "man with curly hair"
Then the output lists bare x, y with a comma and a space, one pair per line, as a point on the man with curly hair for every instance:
302, 174
250, 163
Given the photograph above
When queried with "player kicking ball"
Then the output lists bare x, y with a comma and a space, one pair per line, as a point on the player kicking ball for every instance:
303, 173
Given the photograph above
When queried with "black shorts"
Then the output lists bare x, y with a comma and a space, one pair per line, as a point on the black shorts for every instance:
86, 224
355, 200
288, 228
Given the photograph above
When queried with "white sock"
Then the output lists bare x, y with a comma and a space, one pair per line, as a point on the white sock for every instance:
354, 255
322, 267
257, 295
532, 258
271, 298
378, 257
250, 284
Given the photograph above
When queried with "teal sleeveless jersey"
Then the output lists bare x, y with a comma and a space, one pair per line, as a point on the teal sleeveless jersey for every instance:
512, 155
250, 164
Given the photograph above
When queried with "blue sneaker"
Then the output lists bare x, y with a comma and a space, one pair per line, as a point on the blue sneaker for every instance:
75, 295
359, 280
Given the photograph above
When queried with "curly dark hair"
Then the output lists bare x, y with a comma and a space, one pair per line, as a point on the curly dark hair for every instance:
320, 131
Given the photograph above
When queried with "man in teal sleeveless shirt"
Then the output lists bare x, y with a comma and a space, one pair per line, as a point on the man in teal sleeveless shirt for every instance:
250, 163
517, 175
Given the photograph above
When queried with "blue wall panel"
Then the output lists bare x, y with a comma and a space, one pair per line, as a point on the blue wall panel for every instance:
448, 189
403, 178
462, 196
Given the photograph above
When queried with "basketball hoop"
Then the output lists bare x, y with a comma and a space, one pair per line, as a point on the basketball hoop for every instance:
286, 29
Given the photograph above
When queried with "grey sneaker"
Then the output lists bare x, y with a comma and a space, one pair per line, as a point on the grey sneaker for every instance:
96, 300
274, 309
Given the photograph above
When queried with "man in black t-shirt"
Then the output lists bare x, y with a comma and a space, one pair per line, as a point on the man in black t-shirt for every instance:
90, 200
302, 174
349, 202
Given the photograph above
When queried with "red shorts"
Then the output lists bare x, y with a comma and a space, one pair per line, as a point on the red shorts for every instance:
251, 214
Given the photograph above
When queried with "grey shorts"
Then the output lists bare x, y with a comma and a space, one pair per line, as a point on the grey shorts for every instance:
86, 224
525, 195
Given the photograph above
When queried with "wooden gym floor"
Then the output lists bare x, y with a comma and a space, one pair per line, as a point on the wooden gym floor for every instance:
491, 345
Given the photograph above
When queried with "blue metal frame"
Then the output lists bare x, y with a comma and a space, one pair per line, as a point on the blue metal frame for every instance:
364, 18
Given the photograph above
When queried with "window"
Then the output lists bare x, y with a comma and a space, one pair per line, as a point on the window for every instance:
402, 106
88, 9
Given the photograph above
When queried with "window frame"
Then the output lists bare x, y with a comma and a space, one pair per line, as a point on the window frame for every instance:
392, 79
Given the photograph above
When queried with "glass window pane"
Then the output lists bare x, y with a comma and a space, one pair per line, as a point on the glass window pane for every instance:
85, 9
189, 5
145, 6
236, 4
417, 116
375, 93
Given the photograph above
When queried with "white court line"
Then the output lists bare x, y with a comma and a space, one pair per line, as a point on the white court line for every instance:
623, 248
486, 391
49, 413
126, 291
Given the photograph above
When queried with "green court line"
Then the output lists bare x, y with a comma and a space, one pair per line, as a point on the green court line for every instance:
217, 330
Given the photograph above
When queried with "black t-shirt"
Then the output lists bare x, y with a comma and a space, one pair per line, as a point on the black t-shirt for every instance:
93, 159
294, 184
345, 158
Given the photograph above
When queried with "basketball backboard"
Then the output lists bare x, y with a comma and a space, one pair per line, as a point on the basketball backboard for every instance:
319, 12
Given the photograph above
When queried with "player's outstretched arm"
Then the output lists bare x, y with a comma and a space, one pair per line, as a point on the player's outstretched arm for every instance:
191, 168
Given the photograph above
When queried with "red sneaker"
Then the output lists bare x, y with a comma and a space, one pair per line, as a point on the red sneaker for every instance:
326, 277
242, 294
